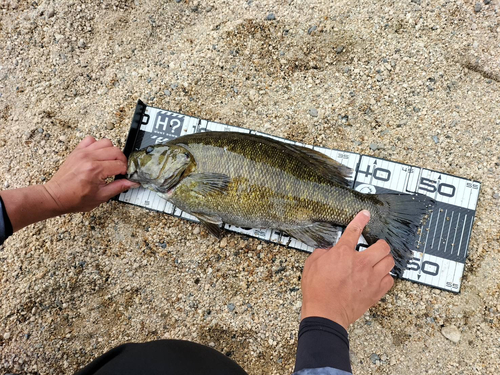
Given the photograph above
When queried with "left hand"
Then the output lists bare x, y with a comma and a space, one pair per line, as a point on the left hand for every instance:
79, 184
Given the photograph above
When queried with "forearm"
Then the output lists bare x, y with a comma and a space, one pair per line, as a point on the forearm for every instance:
322, 345
28, 205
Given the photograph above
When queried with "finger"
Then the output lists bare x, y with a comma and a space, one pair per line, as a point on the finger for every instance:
383, 267
115, 188
353, 231
86, 142
112, 168
376, 252
109, 153
102, 143
385, 285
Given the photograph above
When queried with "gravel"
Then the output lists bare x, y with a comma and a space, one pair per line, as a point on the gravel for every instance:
76, 286
375, 358
452, 333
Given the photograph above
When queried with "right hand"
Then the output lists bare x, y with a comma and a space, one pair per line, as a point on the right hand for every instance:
341, 283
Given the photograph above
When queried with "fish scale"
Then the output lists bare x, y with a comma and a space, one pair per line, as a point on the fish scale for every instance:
270, 186
253, 181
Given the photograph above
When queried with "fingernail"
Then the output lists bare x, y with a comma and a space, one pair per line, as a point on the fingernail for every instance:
366, 213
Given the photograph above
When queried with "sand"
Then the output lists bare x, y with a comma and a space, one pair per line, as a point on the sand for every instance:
411, 81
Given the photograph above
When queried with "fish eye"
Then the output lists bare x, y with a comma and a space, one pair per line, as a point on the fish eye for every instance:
149, 150
187, 155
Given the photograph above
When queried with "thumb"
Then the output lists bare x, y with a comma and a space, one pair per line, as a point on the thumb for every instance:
117, 187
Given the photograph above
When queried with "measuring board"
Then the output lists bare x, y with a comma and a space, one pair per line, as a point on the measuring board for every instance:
441, 250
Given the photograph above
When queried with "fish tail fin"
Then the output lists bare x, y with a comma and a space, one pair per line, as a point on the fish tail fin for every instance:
397, 222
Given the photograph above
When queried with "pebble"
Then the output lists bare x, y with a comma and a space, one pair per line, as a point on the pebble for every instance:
374, 358
271, 17
196, 230
486, 2
340, 49
167, 92
312, 29
110, 126
478, 7
435, 139
223, 243
40, 130
496, 196
231, 307
313, 112
6, 335
451, 333
6, 185
379, 78
374, 146
63, 138
51, 13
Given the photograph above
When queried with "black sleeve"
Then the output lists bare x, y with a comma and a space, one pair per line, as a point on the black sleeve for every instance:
322, 343
5, 224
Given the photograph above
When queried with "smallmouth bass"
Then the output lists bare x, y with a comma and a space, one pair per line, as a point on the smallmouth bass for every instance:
257, 182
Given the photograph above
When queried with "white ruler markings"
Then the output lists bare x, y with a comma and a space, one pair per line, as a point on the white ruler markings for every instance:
372, 171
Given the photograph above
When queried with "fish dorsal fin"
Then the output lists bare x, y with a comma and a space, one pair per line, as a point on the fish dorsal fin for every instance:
208, 183
325, 165
211, 222
318, 235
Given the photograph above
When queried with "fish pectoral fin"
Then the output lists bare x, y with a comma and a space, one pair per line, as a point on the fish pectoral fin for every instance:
328, 167
212, 223
207, 183
318, 235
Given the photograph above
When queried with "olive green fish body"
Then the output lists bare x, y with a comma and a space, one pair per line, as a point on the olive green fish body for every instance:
271, 185
258, 182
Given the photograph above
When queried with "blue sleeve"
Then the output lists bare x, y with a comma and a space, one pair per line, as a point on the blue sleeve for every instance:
322, 371
5, 224
323, 348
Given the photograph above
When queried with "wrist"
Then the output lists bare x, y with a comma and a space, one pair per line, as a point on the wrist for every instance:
50, 200
327, 313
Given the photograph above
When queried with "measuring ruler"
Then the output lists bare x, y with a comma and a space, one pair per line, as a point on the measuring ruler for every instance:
441, 249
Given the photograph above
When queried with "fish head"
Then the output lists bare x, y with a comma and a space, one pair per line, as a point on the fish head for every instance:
160, 167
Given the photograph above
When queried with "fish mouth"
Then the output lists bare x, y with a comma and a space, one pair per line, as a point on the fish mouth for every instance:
134, 177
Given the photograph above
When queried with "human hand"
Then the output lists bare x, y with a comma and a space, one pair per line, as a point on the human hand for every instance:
341, 283
79, 185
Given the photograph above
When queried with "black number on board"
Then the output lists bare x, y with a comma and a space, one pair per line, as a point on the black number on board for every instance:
428, 267
431, 186
380, 174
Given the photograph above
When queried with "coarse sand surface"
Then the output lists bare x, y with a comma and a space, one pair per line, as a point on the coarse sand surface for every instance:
411, 81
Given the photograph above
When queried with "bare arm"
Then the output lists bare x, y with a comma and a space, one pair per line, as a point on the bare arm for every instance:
78, 185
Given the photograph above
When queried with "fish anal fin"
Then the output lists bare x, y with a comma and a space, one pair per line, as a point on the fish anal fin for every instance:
317, 235
211, 222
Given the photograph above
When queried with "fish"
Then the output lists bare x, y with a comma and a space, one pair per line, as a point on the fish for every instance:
252, 181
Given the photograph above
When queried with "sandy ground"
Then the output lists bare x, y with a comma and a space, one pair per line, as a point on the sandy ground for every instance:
412, 81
